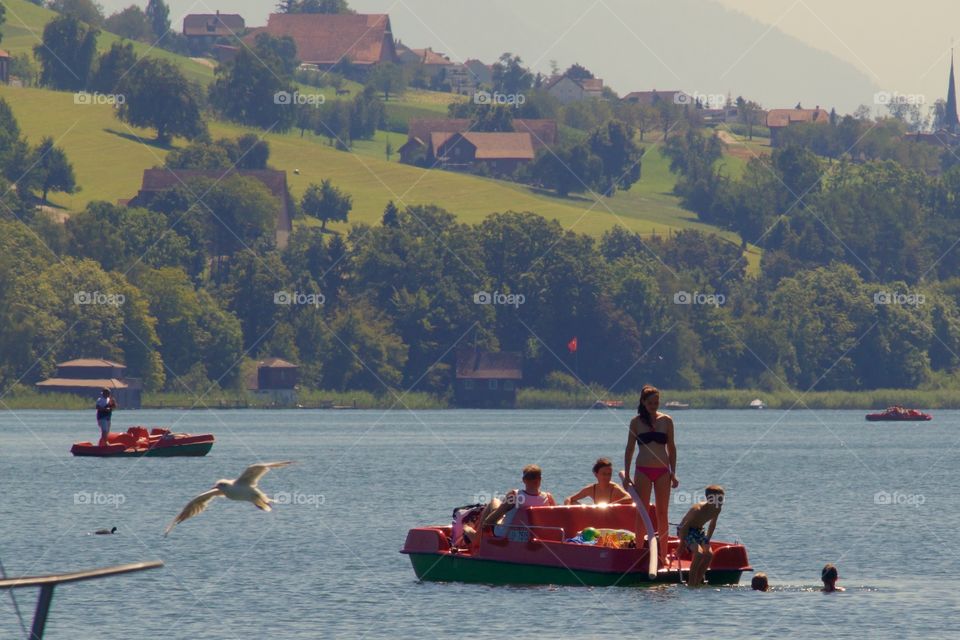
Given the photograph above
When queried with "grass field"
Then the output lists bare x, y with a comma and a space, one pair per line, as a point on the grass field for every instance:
109, 158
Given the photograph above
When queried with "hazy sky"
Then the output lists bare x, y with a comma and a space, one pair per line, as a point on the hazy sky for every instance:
899, 46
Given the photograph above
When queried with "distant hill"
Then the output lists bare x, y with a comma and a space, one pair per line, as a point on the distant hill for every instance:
693, 45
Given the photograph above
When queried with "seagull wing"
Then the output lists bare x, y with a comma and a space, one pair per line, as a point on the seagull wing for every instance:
252, 474
194, 507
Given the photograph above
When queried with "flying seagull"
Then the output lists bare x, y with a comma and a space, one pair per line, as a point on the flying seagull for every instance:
243, 488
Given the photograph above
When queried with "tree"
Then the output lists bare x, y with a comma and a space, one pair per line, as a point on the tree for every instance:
388, 149
130, 23
391, 216
614, 145
571, 169
51, 169
326, 203
510, 76
388, 78
255, 88
66, 53
192, 328
578, 72
158, 96
22, 67
313, 6
83, 10
366, 114
158, 15
366, 352
112, 66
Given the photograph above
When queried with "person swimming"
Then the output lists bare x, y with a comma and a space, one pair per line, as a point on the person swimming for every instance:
760, 582
829, 575
603, 491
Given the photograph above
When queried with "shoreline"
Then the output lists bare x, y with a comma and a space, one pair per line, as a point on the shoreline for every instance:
527, 399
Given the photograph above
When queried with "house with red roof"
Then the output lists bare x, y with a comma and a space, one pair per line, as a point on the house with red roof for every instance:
501, 153
424, 134
780, 119
213, 25
326, 39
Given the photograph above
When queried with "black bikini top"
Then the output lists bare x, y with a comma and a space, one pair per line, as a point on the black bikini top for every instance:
652, 436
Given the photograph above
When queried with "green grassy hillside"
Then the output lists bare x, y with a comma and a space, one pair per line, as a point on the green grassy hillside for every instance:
109, 158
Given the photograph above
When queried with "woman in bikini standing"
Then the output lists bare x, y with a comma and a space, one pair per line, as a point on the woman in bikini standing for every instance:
651, 433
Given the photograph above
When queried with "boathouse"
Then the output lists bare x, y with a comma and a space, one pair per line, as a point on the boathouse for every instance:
486, 379
88, 376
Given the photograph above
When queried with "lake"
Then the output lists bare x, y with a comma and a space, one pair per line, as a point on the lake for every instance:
803, 488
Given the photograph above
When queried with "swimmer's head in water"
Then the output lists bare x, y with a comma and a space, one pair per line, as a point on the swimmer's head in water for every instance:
759, 582
829, 574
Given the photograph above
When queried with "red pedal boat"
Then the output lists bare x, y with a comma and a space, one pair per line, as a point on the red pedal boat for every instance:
137, 441
542, 555
897, 414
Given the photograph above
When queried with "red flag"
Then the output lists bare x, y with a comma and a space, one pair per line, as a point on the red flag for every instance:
572, 345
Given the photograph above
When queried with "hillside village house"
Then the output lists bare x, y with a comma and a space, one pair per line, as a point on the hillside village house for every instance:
566, 89
481, 73
780, 119
326, 40
487, 379
158, 180
651, 98
501, 153
438, 68
88, 376
425, 135
211, 26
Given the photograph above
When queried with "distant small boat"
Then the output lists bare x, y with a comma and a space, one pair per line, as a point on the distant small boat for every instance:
608, 404
899, 414
137, 441
673, 404
757, 404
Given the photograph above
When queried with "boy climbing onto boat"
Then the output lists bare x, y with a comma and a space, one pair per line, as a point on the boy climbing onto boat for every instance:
692, 537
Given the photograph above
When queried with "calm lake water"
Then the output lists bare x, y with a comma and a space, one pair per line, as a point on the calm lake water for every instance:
803, 488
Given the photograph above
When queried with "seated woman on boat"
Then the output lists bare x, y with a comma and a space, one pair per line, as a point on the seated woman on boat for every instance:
602, 491
651, 434
502, 514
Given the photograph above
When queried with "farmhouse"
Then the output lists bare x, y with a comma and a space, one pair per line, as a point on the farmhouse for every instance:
501, 153
424, 135
780, 119
326, 40
566, 89
213, 25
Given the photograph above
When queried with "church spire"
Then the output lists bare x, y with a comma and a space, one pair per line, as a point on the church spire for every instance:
950, 119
